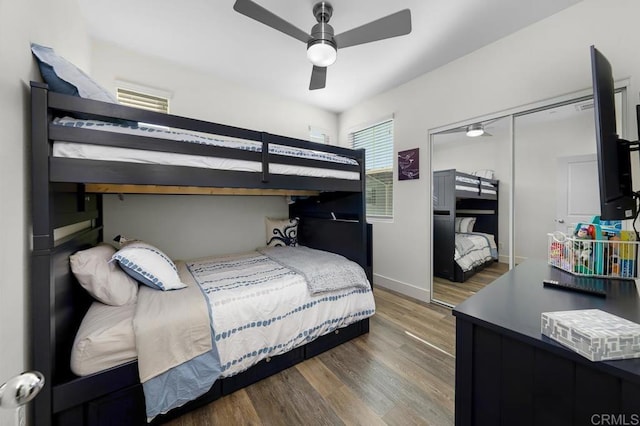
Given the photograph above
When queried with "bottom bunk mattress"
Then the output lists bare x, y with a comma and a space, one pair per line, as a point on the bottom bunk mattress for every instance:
256, 305
474, 249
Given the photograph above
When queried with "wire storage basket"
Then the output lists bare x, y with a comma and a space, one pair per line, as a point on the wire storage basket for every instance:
594, 258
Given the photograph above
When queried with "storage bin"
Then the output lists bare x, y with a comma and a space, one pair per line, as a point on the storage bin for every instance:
595, 258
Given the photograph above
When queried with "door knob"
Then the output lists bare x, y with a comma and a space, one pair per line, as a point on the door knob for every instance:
560, 220
21, 389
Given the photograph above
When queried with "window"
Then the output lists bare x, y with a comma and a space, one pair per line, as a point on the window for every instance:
137, 99
316, 134
377, 140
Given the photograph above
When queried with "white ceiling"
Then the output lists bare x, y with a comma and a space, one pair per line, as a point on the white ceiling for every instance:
211, 36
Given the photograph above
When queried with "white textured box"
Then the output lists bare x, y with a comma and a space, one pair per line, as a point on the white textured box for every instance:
594, 334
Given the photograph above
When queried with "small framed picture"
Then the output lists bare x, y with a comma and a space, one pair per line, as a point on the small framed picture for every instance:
409, 164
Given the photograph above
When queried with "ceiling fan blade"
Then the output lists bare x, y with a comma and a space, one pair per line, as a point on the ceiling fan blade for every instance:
260, 14
450, 131
394, 25
318, 78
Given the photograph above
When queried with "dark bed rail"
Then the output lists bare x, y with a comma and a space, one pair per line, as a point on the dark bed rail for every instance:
67, 170
60, 198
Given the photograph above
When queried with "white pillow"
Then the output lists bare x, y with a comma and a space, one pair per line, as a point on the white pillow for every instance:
485, 173
464, 224
467, 223
149, 265
105, 281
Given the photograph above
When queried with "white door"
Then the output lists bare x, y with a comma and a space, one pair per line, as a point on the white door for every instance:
578, 196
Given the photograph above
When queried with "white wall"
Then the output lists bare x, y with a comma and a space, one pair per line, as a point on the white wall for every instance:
193, 226
216, 224
202, 95
21, 22
542, 61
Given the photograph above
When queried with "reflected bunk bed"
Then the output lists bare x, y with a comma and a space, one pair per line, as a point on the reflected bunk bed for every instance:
68, 191
458, 195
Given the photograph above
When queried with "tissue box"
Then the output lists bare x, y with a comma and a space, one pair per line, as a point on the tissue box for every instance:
594, 334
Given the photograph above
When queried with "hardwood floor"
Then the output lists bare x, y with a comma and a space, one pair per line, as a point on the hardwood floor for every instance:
400, 373
453, 293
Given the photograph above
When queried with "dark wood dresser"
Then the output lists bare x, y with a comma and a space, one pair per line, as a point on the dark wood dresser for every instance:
508, 373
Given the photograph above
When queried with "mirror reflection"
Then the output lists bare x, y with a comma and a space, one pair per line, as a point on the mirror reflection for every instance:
471, 168
553, 170
556, 174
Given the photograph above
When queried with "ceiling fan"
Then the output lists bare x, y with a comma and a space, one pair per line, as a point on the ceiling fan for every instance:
472, 130
322, 45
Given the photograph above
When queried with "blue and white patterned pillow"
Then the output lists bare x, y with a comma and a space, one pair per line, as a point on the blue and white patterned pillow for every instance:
282, 232
148, 265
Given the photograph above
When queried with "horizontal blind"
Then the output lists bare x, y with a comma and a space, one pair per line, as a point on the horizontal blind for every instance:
377, 141
141, 100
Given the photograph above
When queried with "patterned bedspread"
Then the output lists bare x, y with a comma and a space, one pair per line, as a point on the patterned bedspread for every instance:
474, 249
201, 138
261, 309
258, 309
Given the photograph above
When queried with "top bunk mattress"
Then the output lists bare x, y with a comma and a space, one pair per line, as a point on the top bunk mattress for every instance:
475, 185
129, 155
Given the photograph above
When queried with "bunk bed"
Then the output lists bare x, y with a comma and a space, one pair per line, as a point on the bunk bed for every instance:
69, 190
458, 195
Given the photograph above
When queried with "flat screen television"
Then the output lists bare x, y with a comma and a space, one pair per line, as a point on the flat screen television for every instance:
617, 200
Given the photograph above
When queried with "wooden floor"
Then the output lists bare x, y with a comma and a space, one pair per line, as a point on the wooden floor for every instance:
453, 293
386, 377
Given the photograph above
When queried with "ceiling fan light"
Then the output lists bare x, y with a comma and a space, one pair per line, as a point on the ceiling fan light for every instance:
475, 130
321, 53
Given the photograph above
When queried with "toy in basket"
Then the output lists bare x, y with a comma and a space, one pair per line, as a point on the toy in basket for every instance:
595, 249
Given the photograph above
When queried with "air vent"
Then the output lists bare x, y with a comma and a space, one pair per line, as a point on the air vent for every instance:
584, 106
142, 100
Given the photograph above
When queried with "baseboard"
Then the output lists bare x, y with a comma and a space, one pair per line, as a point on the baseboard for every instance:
417, 293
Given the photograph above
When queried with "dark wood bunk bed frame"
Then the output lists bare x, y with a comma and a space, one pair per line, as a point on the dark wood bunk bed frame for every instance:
68, 191
449, 203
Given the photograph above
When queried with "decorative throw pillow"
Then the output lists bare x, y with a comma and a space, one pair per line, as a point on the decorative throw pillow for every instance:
458, 222
104, 280
282, 232
149, 265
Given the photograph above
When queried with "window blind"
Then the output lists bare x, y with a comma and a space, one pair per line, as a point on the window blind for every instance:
141, 100
377, 141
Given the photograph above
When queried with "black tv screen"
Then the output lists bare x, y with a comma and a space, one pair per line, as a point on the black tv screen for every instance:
614, 159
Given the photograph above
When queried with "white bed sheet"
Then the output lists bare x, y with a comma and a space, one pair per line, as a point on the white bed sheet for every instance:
105, 339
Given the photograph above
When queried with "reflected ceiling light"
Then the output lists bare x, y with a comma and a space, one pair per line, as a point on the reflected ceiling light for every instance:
475, 130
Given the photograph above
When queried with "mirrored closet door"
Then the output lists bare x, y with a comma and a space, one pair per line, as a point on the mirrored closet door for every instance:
471, 190
555, 173
543, 165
